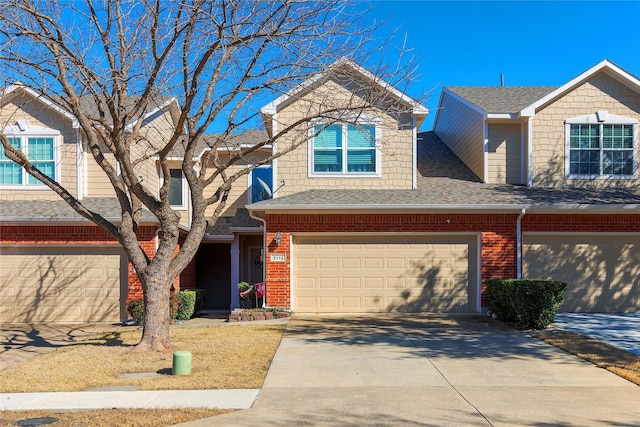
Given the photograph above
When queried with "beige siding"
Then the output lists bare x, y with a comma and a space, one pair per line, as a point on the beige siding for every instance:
505, 154
462, 129
367, 274
98, 184
396, 144
600, 92
38, 114
239, 195
602, 272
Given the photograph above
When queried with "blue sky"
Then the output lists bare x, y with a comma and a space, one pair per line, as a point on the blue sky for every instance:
532, 43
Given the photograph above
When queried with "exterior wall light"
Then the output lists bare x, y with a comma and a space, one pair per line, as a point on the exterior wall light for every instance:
278, 238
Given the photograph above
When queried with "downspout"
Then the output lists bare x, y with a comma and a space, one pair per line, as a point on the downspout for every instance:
519, 243
264, 255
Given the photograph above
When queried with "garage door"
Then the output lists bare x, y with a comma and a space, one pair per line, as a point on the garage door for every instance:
603, 272
47, 284
384, 273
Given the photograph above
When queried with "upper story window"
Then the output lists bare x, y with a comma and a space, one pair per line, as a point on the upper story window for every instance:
177, 190
40, 150
602, 146
261, 181
341, 149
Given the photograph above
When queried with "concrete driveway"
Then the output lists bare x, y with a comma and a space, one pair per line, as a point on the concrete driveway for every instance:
430, 370
20, 342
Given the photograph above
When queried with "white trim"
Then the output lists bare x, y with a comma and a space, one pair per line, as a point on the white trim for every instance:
272, 107
274, 150
45, 100
184, 206
594, 119
530, 151
523, 157
603, 65
485, 152
414, 154
235, 272
131, 124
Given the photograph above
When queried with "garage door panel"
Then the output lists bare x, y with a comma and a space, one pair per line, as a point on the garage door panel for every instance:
60, 284
384, 273
602, 272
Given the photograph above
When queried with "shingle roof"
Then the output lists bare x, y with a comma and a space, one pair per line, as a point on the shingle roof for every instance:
250, 137
224, 224
59, 210
501, 99
446, 183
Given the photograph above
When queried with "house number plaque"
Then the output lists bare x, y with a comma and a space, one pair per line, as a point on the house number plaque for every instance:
278, 258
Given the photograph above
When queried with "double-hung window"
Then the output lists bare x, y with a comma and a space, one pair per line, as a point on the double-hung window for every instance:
344, 149
600, 148
177, 191
41, 152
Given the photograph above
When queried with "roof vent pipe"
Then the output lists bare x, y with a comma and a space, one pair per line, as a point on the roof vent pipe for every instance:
501, 79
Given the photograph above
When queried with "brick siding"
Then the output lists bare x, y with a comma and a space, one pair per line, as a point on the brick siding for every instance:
498, 231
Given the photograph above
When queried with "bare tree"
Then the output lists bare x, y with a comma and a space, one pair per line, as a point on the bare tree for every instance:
112, 62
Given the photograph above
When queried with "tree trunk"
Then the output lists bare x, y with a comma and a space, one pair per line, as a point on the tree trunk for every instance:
155, 333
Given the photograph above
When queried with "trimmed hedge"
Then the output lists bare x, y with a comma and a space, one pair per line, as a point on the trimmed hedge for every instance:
187, 304
201, 298
531, 302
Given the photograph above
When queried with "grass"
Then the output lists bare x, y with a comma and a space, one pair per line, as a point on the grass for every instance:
613, 359
232, 356
113, 417
225, 357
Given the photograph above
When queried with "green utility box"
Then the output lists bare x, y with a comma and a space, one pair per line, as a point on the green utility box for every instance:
181, 362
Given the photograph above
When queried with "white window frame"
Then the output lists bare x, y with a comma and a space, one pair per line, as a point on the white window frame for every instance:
363, 120
600, 118
183, 204
23, 131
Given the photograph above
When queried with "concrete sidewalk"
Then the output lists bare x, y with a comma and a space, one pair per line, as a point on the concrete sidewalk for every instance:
223, 399
429, 370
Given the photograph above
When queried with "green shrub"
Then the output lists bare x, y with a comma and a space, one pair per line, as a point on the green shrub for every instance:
531, 302
187, 304
136, 311
243, 286
174, 305
201, 298
500, 296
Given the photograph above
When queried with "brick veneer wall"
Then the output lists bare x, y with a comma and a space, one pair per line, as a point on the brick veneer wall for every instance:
498, 231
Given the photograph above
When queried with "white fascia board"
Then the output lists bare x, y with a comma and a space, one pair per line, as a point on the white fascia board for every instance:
564, 208
62, 221
129, 126
417, 109
45, 100
631, 80
465, 102
386, 208
503, 116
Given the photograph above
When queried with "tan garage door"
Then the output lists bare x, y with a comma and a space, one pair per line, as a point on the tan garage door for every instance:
383, 273
47, 284
603, 272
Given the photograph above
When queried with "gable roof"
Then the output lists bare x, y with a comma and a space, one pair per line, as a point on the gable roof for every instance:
523, 101
418, 110
605, 66
500, 99
14, 88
